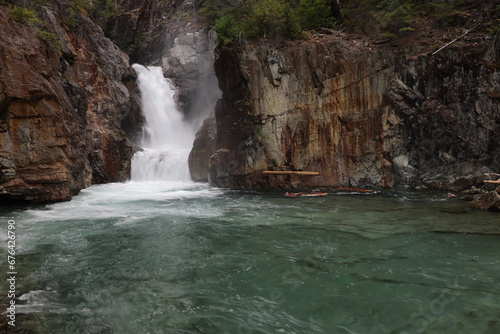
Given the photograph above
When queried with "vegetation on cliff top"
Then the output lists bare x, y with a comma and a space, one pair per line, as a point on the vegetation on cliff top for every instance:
100, 10
24, 11
236, 20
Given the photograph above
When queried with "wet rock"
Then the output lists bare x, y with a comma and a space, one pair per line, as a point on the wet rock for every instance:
361, 116
404, 98
60, 110
488, 201
204, 148
164, 33
189, 62
473, 191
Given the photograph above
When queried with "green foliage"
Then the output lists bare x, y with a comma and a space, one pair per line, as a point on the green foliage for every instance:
108, 8
494, 27
227, 29
100, 10
71, 19
257, 130
438, 8
235, 21
28, 16
269, 17
398, 17
81, 6
23, 15
50, 38
139, 38
314, 14
388, 35
493, 24
406, 29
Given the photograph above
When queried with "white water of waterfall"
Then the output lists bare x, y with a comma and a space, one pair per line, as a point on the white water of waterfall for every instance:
167, 137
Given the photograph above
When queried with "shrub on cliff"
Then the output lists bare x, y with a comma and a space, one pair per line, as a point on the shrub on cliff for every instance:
28, 16
100, 10
23, 15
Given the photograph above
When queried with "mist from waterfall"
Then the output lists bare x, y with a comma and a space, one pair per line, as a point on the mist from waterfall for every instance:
167, 136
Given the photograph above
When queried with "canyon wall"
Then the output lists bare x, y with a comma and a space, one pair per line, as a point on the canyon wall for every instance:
360, 114
63, 94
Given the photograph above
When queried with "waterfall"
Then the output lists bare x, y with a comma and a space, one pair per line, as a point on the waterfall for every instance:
167, 137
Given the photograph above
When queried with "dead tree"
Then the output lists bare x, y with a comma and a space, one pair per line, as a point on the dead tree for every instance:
337, 11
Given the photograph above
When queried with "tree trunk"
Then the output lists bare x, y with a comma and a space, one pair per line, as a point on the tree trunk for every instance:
337, 11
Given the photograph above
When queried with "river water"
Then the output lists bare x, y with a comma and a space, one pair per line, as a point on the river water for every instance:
181, 257
161, 254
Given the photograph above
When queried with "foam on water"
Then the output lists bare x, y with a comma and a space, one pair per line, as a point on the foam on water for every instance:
168, 257
115, 200
152, 165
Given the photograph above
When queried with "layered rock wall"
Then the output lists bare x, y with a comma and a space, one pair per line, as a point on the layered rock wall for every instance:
61, 107
360, 114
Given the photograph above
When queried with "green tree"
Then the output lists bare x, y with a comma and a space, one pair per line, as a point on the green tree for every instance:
397, 15
314, 14
235, 20
269, 16
23, 15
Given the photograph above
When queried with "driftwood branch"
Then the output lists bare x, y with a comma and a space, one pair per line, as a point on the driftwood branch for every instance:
456, 39
290, 172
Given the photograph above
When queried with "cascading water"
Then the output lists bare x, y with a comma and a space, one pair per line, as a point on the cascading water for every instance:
167, 137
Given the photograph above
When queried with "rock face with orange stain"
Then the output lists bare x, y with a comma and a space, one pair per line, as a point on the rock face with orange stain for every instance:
60, 110
360, 114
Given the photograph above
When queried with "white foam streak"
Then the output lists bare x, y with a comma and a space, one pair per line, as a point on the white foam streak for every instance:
151, 165
123, 200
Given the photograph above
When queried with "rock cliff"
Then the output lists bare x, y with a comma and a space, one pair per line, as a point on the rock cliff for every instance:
63, 95
361, 114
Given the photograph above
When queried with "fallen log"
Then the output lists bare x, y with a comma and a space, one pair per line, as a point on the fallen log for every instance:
492, 181
304, 194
